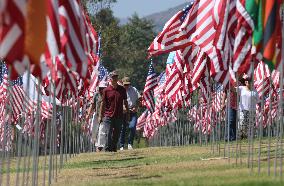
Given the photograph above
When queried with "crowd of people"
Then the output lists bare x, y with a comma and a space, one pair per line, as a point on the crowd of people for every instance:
113, 110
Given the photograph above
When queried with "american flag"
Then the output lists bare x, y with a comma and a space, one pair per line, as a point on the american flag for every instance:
73, 36
97, 78
142, 120
148, 94
14, 96
12, 15
262, 79
174, 81
243, 39
169, 39
199, 29
159, 95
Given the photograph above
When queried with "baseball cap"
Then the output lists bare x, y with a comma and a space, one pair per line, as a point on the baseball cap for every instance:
126, 81
113, 74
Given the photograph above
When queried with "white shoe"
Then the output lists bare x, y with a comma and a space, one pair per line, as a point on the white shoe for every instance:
130, 147
121, 148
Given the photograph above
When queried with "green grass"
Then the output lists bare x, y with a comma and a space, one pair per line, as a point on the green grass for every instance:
162, 166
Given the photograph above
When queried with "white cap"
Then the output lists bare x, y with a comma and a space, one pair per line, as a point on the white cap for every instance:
103, 84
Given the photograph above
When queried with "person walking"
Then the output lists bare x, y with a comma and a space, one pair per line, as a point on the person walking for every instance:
99, 131
247, 106
133, 97
111, 110
232, 112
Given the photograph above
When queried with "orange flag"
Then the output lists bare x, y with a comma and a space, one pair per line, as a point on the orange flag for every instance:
36, 29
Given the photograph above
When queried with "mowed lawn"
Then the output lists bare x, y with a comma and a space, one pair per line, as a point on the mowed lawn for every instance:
191, 165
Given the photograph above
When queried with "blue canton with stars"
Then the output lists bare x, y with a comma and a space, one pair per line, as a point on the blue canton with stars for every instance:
185, 11
103, 72
151, 70
162, 78
4, 70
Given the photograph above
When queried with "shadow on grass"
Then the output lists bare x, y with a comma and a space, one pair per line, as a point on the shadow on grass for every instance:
103, 163
116, 168
118, 160
139, 177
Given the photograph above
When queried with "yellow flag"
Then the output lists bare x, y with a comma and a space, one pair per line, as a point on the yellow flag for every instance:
35, 31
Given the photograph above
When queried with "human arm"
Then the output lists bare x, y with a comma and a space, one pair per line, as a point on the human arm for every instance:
125, 102
102, 108
137, 103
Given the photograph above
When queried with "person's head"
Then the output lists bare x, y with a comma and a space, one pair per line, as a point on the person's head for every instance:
102, 86
113, 76
246, 81
126, 82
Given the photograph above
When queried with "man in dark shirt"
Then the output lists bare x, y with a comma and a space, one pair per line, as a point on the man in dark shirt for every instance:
114, 97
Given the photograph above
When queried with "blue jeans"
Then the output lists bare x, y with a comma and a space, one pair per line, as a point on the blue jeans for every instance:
113, 133
232, 118
132, 129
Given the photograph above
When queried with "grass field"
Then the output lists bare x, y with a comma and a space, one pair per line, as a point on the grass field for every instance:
192, 165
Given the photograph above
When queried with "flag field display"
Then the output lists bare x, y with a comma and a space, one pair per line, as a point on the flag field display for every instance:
207, 89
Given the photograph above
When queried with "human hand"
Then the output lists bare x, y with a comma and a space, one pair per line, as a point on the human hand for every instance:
134, 109
99, 119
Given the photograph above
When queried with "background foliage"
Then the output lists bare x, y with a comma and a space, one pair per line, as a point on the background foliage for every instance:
124, 47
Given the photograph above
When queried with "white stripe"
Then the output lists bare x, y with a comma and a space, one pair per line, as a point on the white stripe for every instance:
9, 40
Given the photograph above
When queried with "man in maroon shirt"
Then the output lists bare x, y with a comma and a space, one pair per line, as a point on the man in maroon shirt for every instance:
113, 99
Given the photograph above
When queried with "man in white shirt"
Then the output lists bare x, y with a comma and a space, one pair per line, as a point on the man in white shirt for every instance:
248, 100
133, 97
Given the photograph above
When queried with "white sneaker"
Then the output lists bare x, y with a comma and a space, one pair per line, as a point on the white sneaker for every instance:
130, 147
121, 148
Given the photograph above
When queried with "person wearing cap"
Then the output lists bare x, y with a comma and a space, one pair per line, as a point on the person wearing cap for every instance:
133, 103
111, 113
98, 132
247, 104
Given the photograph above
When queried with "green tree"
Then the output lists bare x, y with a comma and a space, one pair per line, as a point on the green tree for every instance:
135, 38
106, 24
124, 48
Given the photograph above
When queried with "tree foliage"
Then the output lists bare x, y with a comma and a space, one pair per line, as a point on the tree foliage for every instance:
124, 48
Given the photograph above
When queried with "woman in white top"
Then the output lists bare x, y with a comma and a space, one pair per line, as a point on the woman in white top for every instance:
248, 100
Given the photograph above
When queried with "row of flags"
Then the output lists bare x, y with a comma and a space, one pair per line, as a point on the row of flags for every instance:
211, 44
54, 39
49, 50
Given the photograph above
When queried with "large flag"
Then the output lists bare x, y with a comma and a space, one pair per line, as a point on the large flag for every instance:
272, 32
243, 40
12, 33
35, 33
73, 37
169, 39
255, 10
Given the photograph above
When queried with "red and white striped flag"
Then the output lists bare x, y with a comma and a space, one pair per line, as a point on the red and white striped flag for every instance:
262, 79
12, 33
169, 39
148, 93
243, 39
73, 36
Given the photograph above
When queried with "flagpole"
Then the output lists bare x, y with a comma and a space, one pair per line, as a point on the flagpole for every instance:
281, 95
6, 147
260, 127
